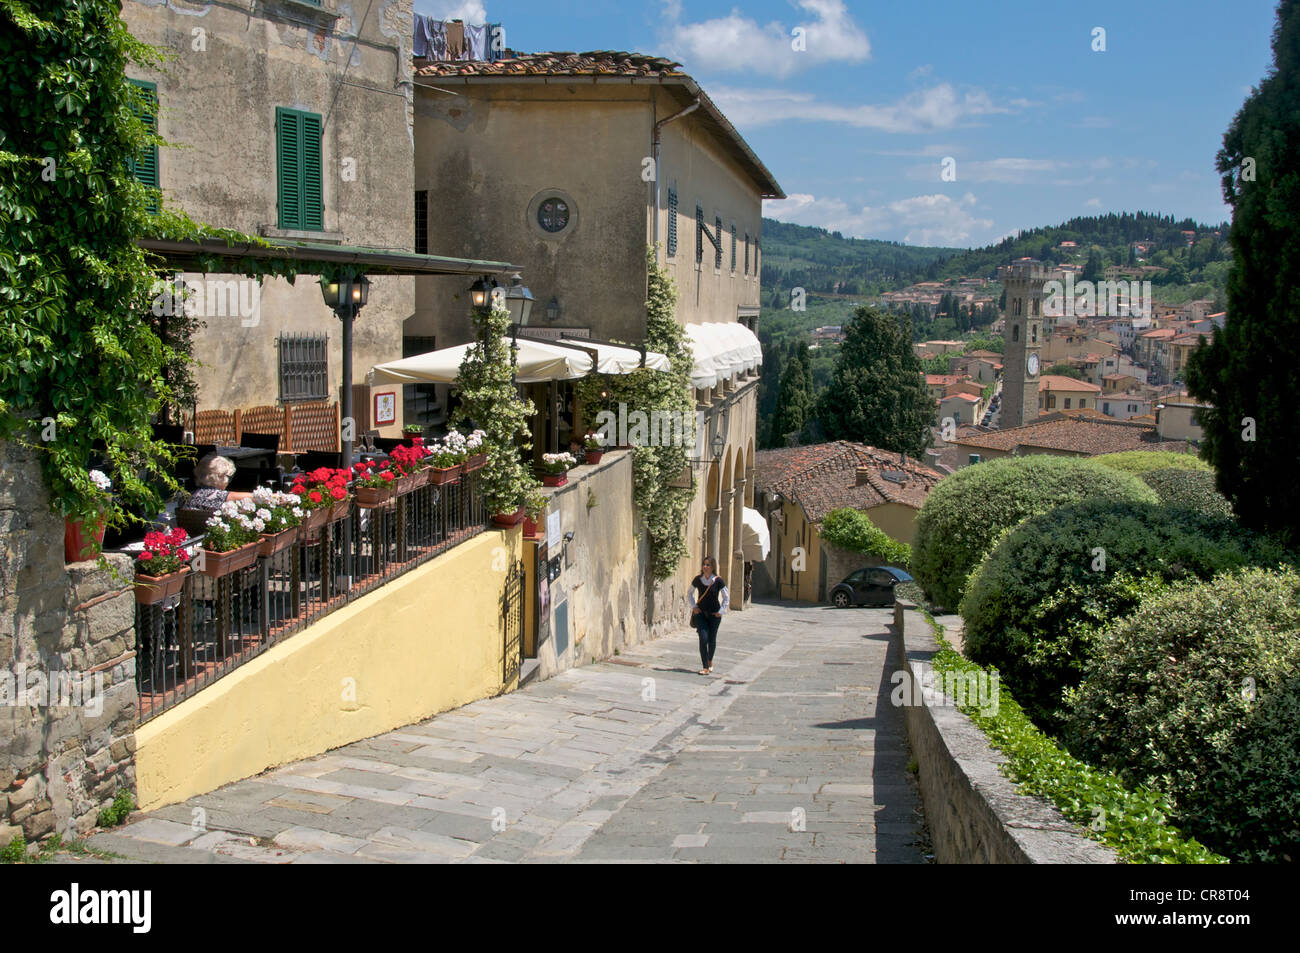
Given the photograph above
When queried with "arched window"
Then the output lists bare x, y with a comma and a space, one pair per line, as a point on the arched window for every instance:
1015, 332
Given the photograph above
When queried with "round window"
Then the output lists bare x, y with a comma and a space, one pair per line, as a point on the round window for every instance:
553, 215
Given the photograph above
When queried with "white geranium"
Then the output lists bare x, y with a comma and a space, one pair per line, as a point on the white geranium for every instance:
259, 524
101, 480
263, 513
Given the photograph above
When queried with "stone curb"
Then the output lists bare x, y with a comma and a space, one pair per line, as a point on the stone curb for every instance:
975, 813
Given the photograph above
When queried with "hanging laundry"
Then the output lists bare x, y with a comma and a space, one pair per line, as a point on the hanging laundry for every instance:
455, 39
420, 39
476, 40
437, 40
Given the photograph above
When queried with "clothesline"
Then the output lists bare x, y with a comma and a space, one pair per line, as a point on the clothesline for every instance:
457, 40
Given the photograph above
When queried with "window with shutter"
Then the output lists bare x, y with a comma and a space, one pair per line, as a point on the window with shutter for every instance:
672, 222
699, 235
422, 222
717, 241
746, 252
145, 166
733, 248
298, 155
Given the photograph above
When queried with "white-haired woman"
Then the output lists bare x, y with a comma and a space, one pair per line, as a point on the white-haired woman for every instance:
211, 477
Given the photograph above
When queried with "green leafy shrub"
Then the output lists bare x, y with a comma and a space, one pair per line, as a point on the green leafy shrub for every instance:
966, 513
1033, 608
1145, 461
1135, 821
117, 812
1197, 693
1193, 489
14, 852
853, 530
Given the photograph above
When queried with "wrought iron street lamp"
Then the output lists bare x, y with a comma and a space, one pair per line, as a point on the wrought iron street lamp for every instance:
519, 301
346, 295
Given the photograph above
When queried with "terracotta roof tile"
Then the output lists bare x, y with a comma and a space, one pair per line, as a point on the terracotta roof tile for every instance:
1061, 382
1079, 432
832, 482
591, 63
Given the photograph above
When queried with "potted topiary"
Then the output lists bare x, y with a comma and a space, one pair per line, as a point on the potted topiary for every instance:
82, 539
160, 570
555, 468
595, 449
233, 538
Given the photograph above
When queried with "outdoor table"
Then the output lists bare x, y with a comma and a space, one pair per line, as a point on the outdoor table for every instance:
249, 457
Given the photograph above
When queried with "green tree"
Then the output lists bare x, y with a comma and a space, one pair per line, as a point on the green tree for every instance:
1247, 373
1093, 270
877, 393
1065, 370
794, 401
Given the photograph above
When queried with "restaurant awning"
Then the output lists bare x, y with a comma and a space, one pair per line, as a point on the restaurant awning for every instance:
722, 351
756, 542
616, 359
537, 361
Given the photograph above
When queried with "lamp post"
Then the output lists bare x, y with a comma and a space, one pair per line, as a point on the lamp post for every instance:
519, 301
346, 295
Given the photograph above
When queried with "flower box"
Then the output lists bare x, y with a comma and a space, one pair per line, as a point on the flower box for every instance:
272, 543
532, 528
150, 590
217, 565
509, 519
340, 510
555, 479
315, 519
593, 456
369, 497
440, 475
81, 541
476, 462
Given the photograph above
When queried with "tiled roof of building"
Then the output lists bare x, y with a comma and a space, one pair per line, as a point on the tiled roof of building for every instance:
614, 65
1061, 382
832, 481
1080, 432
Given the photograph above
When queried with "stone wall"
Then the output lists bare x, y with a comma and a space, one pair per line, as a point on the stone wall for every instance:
975, 813
67, 668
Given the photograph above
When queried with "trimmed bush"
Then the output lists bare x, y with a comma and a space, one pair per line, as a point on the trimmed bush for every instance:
966, 513
853, 530
1035, 605
1193, 489
1197, 694
1144, 461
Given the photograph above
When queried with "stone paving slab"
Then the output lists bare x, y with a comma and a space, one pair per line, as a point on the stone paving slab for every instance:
791, 752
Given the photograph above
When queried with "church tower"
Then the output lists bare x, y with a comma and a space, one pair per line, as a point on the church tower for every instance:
1022, 335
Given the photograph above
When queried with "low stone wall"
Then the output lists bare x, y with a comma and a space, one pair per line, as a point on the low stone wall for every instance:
974, 812
67, 669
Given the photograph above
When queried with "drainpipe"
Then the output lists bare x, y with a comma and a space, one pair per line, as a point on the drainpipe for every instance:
655, 148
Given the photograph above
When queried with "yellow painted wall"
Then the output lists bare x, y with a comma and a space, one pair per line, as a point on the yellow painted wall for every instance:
426, 642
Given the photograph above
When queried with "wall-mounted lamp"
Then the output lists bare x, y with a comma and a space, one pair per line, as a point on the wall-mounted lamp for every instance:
553, 309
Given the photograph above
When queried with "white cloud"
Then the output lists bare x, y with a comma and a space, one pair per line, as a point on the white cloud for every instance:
737, 42
471, 11
939, 107
920, 220
1093, 203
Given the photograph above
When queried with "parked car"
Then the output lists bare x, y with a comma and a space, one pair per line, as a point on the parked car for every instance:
872, 586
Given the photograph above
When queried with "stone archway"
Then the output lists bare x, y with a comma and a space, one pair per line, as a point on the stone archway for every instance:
726, 537
709, 540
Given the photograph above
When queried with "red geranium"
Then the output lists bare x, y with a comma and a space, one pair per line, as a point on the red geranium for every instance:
315, 496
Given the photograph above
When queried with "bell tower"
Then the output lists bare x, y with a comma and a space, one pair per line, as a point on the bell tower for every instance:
1023, 337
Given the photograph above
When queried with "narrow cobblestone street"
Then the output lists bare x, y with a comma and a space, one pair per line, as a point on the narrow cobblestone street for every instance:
790, 752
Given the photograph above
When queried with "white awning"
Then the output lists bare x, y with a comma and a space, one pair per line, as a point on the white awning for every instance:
722, 351
615, 359
537, 361
755, 540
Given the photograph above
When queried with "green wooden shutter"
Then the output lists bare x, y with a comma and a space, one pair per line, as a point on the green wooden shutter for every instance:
313, 211
145, 166
298, 150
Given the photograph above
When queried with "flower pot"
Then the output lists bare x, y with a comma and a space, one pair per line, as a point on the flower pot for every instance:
532, 528
217, 565
272, 543
555, 479
475, 462
419, 478
150, 590
315, 519
81, 540
440, 475
593, 456
509, 519
369, 497
340, 509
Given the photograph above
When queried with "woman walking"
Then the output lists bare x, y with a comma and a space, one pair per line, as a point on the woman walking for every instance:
709, 599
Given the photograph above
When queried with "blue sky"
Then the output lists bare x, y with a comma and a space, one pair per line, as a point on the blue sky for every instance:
855, 127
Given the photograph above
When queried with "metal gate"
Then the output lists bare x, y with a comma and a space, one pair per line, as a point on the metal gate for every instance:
512, 623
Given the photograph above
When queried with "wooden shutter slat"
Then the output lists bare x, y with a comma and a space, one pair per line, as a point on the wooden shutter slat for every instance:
313, 211
289, 155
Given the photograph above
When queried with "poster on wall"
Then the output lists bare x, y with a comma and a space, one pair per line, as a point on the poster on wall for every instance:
543, 599
385, 408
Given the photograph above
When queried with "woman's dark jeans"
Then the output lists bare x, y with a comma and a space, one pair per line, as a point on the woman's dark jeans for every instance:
707, 627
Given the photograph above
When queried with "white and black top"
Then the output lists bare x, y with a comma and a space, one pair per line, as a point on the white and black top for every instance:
710, 594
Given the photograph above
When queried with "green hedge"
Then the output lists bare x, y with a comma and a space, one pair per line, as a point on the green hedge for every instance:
1037, 602
853, 530
966, 513
1197, 693
1193, 489
1145, 461
1134, 822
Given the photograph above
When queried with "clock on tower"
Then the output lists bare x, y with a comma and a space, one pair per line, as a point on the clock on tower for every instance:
1031, 365
1023, 283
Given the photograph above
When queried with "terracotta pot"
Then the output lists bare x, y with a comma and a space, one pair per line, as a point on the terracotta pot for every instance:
150, 590
369, 497
476, 462
555, 479
440, 475
593, 456
217, 565
81, 541
509, 519
532, 529
315, 519
419, 478
340, 510
273, 543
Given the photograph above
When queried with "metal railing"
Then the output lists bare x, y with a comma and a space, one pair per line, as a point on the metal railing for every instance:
215, 624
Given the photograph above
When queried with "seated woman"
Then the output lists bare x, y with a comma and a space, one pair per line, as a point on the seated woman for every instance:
211, 477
